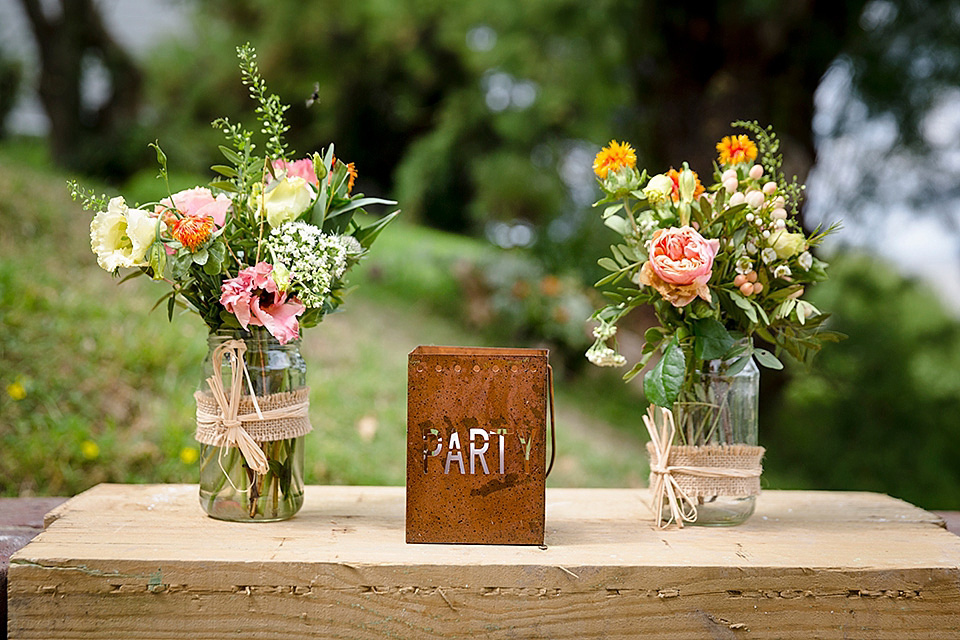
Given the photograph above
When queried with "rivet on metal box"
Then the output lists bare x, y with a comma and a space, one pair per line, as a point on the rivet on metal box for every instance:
476, 444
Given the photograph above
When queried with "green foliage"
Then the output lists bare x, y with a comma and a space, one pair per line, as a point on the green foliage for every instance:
881, 410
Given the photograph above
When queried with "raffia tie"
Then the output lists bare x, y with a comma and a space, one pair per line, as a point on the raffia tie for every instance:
665, 485
224, 427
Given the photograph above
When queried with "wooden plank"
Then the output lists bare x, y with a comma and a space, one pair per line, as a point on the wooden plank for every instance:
144, 562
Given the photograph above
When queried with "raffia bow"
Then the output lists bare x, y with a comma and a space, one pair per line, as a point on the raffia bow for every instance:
220, 422
233, 434
665, 486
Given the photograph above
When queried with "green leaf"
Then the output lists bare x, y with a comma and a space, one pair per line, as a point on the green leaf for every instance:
224, 185
654, 335
662, 384
767, 359
224, 170
201, 257
212, 267
618, 224
171, 303
367, 235
613, 277
356, 204
231, 155
608, 264
744, 304
713, 341
218, 251
637, 368
612, 209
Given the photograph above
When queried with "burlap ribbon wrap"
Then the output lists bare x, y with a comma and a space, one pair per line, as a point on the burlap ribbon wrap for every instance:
680, 474
228, 418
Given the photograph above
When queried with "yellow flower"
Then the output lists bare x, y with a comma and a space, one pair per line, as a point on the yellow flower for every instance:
16, 391
736, 149
613, 158
90, 449
189, 455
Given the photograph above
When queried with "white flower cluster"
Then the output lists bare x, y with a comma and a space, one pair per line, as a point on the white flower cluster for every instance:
604, 331
605, 357
313, 261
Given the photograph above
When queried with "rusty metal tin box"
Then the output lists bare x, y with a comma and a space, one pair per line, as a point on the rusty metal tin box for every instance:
476, 445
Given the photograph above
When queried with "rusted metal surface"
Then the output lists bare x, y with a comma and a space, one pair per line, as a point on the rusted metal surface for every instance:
476, 445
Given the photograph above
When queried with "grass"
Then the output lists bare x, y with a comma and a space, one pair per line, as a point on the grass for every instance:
94, 387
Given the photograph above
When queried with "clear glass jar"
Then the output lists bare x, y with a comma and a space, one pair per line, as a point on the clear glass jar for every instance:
229, 488
720, 408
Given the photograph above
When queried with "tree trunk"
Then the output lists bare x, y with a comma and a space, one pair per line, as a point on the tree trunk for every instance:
80, 136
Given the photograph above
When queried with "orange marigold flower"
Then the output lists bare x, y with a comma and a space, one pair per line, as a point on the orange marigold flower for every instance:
736, 149
674, 176
193, 231
613, 157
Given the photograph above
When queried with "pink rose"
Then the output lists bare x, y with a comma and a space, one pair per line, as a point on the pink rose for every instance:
198, 201
255, 299
680, 264
302, 168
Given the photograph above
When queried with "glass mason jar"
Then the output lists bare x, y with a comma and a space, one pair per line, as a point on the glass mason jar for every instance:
229, 488
720, 408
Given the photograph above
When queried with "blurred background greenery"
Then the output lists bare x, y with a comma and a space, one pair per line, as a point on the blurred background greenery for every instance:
482, 119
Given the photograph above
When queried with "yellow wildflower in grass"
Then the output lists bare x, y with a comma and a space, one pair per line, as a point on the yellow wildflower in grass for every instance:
189, 455
90, 449
16, 391
736, 149
614, 157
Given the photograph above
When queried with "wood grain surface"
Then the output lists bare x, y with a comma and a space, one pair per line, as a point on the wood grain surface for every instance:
142, 561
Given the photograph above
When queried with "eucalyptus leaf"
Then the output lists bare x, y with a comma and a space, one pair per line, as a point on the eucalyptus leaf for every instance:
744, 304
767, 359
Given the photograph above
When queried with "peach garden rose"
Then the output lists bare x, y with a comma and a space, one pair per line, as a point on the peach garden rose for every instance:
680, 264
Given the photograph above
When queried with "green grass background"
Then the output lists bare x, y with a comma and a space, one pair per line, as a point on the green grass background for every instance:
94, 387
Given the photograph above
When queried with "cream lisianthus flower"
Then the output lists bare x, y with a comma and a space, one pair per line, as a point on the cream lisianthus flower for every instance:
121, 236
286, 199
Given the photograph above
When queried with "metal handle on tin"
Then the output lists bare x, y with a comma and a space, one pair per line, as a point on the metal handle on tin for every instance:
553, 426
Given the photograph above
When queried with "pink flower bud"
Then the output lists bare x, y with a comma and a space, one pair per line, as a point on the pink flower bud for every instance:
756, 171
729, 174
770, 188
779, 214
731, 184
737, 198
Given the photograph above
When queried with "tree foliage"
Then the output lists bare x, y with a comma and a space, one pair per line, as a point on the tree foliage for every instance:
881, 411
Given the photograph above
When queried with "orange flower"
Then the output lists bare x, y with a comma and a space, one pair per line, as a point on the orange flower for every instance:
736, 149
674, 176
613, 157
193, 231
351, 171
